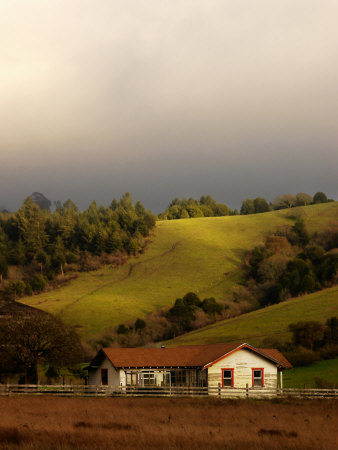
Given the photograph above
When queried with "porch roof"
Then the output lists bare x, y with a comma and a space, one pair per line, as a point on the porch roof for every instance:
186, 356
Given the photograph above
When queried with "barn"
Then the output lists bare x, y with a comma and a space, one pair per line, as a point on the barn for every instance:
230, 365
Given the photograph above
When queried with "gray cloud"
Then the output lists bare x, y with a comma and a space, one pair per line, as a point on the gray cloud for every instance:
162, 98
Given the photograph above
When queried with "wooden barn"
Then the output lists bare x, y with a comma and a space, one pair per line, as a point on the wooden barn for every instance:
230, 365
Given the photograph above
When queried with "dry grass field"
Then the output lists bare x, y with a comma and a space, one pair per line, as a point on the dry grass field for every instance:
145, 423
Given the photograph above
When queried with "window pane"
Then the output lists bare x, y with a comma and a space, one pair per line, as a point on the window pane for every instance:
227, 378
257, 375
149, 379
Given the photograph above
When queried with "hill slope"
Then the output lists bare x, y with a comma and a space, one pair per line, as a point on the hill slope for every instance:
202, 255
267, 323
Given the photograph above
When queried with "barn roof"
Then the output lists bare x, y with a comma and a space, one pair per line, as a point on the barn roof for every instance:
201, 356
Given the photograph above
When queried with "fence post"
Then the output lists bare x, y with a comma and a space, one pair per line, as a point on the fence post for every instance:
247, 390
219, 390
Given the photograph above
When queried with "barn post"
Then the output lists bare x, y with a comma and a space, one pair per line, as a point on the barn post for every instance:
219, 390
247, 390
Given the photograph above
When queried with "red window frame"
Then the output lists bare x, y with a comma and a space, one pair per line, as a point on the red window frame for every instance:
232, 377
253, 381
104, 371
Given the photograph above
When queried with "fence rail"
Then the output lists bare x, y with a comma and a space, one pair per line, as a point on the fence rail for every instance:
189, 391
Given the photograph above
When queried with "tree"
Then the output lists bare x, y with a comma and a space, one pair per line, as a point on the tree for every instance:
303, 199
208, 201
222, 210
211, 307
182, 314
31, 224
284, 201
331, 331
14, 289
35, 337
248, 206
38, 283
191, 299
122, 329
261, 205
299, 228
139, 325
307, 334
319, 197
3, 267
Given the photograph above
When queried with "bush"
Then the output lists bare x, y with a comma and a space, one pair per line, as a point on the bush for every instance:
321, 383
122, 329
14, 289
302, 357
38, 283
211, 307
139, 325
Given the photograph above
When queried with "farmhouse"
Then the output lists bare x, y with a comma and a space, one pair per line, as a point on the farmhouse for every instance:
230, 365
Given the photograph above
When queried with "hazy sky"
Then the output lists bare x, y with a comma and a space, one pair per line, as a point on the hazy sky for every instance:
165, 98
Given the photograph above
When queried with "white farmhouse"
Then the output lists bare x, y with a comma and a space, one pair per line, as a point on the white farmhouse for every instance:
230, 365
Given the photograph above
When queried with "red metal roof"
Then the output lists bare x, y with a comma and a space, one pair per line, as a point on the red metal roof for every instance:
185, 356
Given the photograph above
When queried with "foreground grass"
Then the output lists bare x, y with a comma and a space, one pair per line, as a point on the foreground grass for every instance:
143, 423
202, 255
301, 377
268, 324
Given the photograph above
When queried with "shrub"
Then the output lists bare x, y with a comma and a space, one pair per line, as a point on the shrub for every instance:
38, 283
139, 325
211, 307
321, 383
302, 357
14, 289
122, 329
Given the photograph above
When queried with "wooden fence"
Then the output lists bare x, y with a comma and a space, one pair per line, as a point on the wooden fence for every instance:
110, 391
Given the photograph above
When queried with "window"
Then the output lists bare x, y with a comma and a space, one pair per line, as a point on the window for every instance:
131, 378
178, 378
257, 377
104, 376
149, 378
228, 377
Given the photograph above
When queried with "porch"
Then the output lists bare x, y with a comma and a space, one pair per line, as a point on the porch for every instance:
178, 377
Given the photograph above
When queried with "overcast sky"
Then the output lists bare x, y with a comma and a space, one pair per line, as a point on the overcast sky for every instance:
165, 98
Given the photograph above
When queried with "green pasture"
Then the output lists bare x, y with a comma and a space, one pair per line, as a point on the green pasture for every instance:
301, 377
203, 255
268, 324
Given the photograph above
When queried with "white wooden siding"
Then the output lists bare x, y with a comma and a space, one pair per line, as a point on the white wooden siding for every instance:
243, 361
94, 377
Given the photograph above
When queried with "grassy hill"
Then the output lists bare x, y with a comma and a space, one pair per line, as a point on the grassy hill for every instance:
202, 255
305, 376
267, 323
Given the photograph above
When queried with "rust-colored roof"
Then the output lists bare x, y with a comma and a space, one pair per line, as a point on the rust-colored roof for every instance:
185, 356
277, 355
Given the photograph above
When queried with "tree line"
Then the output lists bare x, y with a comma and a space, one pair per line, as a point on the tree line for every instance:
259, 204
187, 313
45, 244
207, 206
292, 262
311, 341
186, 208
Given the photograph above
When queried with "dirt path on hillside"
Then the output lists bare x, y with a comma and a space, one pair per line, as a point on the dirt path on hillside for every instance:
128, 275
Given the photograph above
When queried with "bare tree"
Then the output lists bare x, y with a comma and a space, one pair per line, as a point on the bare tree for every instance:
36, 337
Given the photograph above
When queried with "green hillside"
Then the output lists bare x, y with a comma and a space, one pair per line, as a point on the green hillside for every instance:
267, 323
299, 377
202, 255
